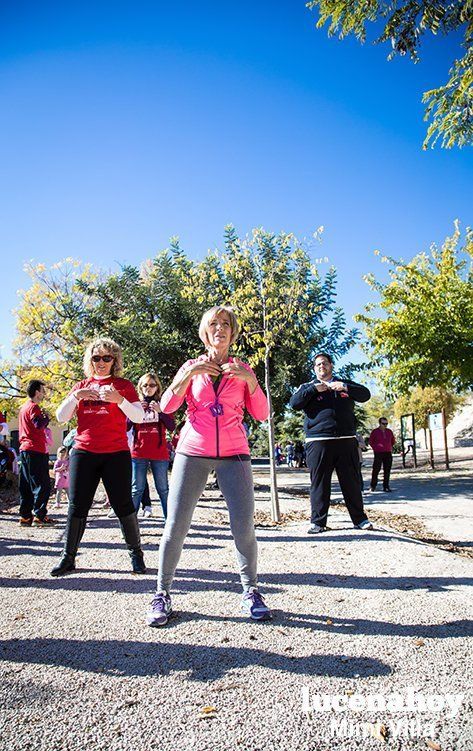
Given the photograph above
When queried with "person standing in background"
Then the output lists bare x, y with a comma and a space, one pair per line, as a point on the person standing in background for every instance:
149, 447
34, 483
362, 447
61, 475
330, 428
382, 441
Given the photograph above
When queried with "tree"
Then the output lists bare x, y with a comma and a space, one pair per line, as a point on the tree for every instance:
425, 401
69, 304
283, 306
146, 312
290, 427
286, 310
10, 392
51, 320
405, 23
368, 414
421, 333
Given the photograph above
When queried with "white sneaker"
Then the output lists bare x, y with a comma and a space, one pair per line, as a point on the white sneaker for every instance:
147, 512
365, 524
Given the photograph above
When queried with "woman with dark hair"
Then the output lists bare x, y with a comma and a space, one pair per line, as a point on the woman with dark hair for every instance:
103, 402
217, 388
149, 447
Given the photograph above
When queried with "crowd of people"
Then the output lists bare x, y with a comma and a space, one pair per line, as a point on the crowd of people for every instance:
121, 434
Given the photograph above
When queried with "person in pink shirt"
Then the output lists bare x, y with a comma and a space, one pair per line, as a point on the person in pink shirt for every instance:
382, 441
217, 389
61, 475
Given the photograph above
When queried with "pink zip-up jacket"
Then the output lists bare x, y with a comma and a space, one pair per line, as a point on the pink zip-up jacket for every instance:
213, 426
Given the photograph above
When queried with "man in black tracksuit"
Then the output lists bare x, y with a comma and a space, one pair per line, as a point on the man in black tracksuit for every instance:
330, 429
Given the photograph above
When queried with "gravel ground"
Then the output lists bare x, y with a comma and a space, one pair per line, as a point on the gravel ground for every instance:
355, 613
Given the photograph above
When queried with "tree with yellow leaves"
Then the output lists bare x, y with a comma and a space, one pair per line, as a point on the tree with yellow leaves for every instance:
420, 333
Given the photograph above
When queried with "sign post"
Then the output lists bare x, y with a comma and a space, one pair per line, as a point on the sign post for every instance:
408, 437
447, 459
438, 421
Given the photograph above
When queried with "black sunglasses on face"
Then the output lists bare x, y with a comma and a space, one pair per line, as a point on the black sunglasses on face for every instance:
105, 358
384, 423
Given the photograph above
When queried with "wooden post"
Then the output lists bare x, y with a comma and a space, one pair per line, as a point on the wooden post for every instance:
414, 449
444, 425
431, 442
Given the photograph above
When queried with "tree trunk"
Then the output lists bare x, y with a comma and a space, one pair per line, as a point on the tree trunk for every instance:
275, 512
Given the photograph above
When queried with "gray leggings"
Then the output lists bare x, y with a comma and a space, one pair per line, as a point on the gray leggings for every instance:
188, 479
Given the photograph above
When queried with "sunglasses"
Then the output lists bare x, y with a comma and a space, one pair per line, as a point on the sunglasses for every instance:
148, 385
105, 358
384, 423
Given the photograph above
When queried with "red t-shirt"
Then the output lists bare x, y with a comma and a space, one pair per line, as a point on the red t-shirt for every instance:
101, 426
149, 441
31, 437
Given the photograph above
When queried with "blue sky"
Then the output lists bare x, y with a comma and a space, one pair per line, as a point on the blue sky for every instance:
125, 123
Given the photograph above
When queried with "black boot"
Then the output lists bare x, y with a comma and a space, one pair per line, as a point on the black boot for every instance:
74, 531
131, 535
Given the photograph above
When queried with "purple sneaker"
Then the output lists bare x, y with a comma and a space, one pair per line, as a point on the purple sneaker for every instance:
160, 610
253, 605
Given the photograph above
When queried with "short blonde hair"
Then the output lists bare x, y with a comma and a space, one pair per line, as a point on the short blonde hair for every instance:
111, 348
61, 450
155, 378
213, 313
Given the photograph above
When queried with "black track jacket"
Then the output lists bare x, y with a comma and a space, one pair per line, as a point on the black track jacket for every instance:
329, 414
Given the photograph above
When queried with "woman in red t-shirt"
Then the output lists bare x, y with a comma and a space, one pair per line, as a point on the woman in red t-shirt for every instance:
149, 447
103, 402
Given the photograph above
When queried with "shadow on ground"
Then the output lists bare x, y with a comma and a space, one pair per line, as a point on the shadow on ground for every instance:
203, 663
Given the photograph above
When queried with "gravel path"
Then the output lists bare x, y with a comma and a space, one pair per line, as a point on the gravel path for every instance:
354, 613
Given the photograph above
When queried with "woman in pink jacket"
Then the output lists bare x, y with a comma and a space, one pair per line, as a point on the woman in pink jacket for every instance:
217, 389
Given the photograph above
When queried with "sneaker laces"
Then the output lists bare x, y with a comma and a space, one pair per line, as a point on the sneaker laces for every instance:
256, 598
159, 602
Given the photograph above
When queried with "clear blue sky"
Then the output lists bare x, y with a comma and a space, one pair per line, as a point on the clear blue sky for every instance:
125, 123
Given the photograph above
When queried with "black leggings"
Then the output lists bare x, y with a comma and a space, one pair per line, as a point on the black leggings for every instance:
85, 472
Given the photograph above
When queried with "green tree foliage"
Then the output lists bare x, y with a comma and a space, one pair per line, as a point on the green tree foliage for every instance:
405, 22
426, 401
285, 308
290, 427
368, 414
282, 305
11, 395
420, 331
146, 312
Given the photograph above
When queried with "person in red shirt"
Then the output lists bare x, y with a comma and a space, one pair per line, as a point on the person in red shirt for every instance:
382, 441
102, 402
149, 447
34, 482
